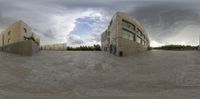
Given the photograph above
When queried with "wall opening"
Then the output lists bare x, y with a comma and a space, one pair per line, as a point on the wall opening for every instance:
121, 53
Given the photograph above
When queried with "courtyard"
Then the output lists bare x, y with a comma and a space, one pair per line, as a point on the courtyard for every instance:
153, 74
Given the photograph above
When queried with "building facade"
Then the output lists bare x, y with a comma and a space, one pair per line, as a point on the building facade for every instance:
124, 36
19, 38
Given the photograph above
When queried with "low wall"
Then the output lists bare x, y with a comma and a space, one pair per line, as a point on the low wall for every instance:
26, 48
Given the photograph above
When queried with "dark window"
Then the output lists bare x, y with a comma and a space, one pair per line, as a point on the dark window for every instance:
8, 40
139, 31
25, 30
128, 34
128, 24
139, 40
120, 53
143, 36
3, 40
25, 38
9, 32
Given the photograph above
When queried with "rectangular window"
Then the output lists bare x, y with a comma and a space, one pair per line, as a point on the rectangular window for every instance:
9, 32
128, 24
25, 30
124, 24
128, 35
142, 36
143, 42
139, 40
140, 32
8, 40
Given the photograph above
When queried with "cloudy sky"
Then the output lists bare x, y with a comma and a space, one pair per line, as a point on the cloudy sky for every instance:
80, 22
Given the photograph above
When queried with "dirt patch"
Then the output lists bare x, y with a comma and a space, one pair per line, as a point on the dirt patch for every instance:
98, 67
20, 72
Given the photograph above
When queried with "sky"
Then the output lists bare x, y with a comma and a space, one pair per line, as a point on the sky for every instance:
81, 22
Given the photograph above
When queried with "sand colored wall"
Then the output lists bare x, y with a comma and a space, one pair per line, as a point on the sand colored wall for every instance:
117, 43
105, 41
1, 40
19, 39
26, 48
12, 34
16, 32
25, 30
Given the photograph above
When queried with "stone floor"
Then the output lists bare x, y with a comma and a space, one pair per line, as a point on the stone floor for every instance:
99, 75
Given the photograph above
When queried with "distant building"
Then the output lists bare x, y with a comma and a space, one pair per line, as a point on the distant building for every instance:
18, 38
54, 47
199, 44
124, 36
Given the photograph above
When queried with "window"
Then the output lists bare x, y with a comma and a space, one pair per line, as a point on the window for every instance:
139, 31
128, 35
9, 32
139, 40
128, 25
25, 30
8, 40
143, 36
143, 42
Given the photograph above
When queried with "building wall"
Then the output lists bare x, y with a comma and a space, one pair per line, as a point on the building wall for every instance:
1, 40
17, 36
16, 33
129, 47
26, 48
11, 34
25, 30
127, 35
105, 40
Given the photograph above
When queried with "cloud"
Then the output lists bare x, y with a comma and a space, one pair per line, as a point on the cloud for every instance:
165, 20
98, 27
53, 23
156, 44
75, 40
89, 28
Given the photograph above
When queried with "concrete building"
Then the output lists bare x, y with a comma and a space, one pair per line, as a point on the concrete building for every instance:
18, 38
124, 36
54, 47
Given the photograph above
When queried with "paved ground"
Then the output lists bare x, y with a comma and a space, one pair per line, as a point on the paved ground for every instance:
99, 75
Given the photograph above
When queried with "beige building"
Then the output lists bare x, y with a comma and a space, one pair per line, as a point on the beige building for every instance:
19, 36
124, 36
54, 47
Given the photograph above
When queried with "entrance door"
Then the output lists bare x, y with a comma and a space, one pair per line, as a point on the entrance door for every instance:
114, 49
